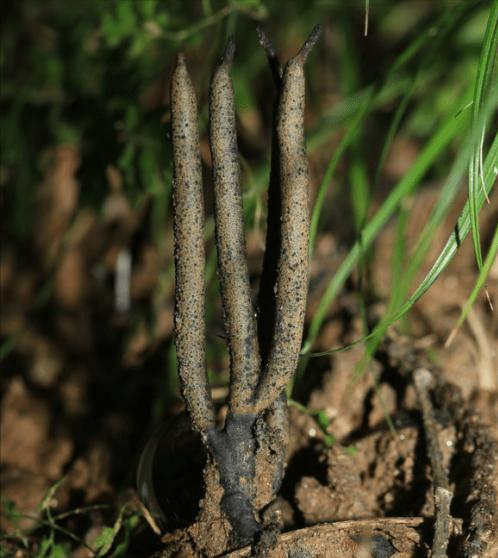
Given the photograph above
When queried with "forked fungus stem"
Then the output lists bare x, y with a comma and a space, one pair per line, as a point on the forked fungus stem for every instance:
423, 381
188, 226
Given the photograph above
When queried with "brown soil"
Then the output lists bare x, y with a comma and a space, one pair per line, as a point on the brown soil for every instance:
81, 379
373, 494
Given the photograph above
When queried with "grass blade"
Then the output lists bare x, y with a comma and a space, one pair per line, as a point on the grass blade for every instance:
346, 141
455, 240
403, 282
404, 187
363, 102
479, 284
461, 230
483, 80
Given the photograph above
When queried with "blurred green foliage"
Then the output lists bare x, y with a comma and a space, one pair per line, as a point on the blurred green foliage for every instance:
96, 73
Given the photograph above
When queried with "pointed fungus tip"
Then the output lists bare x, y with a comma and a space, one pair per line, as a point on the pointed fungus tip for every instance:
229, 52
265, 42
308, 45
180, 59
271, 54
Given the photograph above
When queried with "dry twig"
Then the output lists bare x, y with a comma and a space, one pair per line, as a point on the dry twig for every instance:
442, 495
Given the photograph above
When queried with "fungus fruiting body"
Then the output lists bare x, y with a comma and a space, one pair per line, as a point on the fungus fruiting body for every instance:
264, 356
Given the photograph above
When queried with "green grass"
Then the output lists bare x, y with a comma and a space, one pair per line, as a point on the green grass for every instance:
56, 538
455, 125
479, 284
429, 155
462, 228
483, 84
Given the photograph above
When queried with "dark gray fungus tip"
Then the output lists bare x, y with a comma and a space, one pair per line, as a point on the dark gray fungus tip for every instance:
229, 52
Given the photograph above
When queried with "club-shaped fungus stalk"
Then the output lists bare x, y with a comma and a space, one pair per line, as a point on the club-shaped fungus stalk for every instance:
188, 226
240, 322
292, 275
